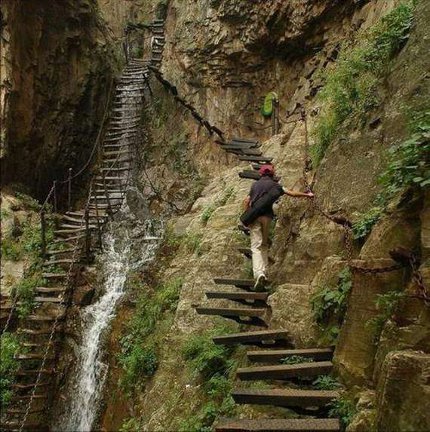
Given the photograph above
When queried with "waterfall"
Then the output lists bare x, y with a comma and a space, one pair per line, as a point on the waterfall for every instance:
90, 371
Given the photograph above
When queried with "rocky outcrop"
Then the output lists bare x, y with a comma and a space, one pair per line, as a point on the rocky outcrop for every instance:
58, 61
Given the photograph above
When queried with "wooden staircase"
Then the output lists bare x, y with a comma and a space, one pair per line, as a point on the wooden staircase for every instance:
158, 42
276, 348
77, 233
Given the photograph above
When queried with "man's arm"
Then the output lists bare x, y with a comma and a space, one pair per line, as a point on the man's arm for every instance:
246, 203
298, 194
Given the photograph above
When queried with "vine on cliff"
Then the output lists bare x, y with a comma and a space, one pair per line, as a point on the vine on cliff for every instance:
350, 88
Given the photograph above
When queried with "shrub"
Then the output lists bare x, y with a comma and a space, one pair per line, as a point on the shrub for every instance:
362, 227
386, 304
8, 366
409, 162
205, 357
24, 290
192, 243
138, 356
327, 301
351, 87
329, 306
344, 409
326, 382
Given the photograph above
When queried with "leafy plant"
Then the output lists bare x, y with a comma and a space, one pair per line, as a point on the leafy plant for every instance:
193, 242
328, 301
386, 305
214, 365
296, 359
11, 249
409, 162
350, 88
132, 424
8, 366
362, 227
206, 358
28, 202
138, 356
326, 382
344, 409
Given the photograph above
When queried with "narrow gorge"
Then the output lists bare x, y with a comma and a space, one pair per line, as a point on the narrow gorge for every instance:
131, 133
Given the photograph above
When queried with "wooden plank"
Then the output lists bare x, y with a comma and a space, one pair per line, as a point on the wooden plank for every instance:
256, 337
49, 290
317, 354
239, 312
261, 159
278, 425
244, 140
284, 397
279, 372
240, 283
251, 175
251, 296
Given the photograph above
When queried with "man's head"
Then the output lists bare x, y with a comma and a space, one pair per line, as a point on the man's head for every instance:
267, 170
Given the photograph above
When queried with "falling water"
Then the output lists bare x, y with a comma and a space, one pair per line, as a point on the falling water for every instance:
91, 372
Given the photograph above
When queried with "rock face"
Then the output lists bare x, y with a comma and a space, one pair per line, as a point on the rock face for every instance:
404, 389
57, 65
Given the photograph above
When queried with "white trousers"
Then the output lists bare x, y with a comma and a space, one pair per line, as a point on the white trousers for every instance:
259, 231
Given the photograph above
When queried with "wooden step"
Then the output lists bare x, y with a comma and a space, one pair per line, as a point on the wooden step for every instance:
241, 312
279, 425
26, 397
31, 356
261, 159
36, 345
91, 214
245, 152
114, 169
68, 239
23, 410
280, 372
247, 174
38, 332
285, 397
30, 372
245, 296
68, 231
44, 318
248, 316
48, 300
267, 356
59, 261
30, 386
240, 283
60, 251
68, 226
268, 337
244, 140
116, 153
46, 290
54, 275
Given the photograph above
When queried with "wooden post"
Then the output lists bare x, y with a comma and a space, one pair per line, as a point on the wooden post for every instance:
69, 186
43, 231
275, 116
55, 196
107, 196
87, 235
99, 231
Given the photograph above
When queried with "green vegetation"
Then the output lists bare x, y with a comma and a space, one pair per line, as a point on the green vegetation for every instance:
8, 366
28, 202
362, 227
132, 424
296, 359
138, 356
409, 162
209, 210
192, 243
326, 382
386, 304
24, 290
215, 367
27, 242
344, 409
329, 306
350, 89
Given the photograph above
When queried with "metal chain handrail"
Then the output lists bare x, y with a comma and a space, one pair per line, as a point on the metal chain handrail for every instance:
348, 234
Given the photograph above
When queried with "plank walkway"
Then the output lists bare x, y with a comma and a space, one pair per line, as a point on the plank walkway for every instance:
67, 251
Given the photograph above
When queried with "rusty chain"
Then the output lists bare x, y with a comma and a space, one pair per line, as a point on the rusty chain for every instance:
347, 227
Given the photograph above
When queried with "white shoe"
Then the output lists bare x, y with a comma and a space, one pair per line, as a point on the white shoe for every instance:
260, 283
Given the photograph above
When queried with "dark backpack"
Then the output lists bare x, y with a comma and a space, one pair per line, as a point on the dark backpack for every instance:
261, 205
